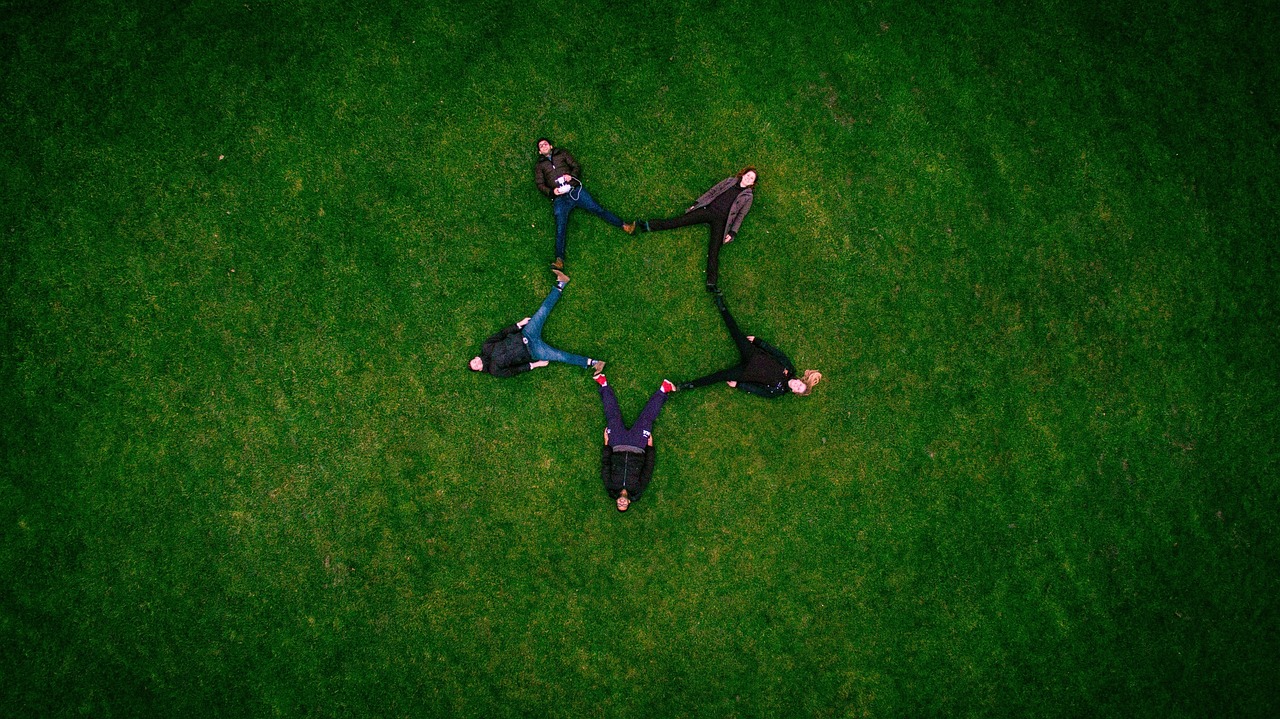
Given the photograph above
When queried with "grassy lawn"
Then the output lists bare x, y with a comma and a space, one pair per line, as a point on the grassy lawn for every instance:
246, 250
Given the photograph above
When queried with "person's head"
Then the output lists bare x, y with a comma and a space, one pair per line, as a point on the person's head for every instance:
623, 501
476, 363
544, 146
747, 176
804, 384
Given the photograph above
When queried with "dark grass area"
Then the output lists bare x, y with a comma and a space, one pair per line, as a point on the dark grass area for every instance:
247, 249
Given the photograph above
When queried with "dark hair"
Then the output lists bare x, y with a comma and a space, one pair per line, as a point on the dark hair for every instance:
541, 140
747, 169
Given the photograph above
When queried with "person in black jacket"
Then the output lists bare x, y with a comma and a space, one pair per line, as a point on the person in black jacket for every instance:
558, 176
519, 348
763, 369
721, 209
626, 461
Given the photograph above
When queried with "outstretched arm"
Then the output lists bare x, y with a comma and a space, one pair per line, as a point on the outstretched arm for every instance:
776, 354
760, 390
646, 473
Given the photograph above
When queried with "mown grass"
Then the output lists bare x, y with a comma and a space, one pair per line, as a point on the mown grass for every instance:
247, 249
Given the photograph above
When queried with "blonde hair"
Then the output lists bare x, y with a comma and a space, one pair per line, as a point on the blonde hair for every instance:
810, 378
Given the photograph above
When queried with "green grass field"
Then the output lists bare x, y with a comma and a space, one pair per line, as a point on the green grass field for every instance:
247, 248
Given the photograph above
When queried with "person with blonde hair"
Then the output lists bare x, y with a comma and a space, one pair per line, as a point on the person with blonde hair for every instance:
763, 369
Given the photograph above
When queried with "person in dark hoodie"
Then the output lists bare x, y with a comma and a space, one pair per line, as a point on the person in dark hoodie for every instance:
626, 461
558, 176
519, 348
763, 369
722, 209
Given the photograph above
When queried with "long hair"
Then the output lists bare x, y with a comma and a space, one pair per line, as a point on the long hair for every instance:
810, 378
745, 170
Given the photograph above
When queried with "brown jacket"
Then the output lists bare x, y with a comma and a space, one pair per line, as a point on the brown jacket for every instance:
548, 169
737, 212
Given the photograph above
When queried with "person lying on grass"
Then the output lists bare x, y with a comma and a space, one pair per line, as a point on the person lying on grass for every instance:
626, 462
721, 209
519, 348
762, 370
557, 176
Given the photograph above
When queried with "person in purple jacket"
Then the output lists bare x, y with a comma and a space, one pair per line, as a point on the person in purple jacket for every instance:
519, 348
721, 209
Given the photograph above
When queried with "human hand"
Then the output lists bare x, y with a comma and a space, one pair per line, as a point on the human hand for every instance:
728, 239
731, 383
606, 437
539, 363
751, 338
523, 322
564, 178
561, 189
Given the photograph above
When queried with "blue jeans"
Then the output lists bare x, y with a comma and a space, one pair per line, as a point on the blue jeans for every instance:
577, 197
533, 333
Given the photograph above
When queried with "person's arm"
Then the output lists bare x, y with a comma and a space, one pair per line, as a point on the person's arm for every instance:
606, 464
737, 214
539, 179
572, 164
760, 390
496, 339
776, 353
646, 473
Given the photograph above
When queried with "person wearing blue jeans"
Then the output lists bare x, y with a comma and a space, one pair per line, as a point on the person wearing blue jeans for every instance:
557, 176
520, 347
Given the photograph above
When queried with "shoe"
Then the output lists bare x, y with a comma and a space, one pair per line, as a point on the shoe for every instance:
560, 276
597, 368
684, 386
666, 386
558, 264
711, 287
629, 228
601, 380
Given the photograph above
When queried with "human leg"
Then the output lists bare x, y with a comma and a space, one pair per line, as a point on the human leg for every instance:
739, 338
533, 330
644, 422
562, 206
693, 217
729, 374
533, 333
588, 203
716, 239
613, 423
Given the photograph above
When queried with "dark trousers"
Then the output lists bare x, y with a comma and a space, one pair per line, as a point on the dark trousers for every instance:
745, 349
715, 222
638, 434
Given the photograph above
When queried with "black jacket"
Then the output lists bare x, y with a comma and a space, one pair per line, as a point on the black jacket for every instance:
626, 470
506, 354
547, 170
767, 372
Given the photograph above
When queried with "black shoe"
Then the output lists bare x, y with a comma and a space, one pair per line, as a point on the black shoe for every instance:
711, 287
684, 386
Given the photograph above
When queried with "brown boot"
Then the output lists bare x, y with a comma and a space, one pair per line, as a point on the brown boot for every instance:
558, 264
597, 368
629, 228
560, 276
